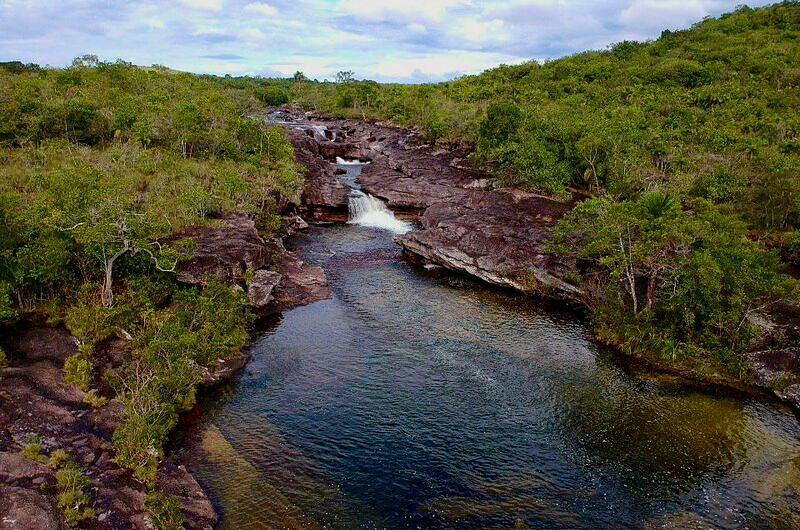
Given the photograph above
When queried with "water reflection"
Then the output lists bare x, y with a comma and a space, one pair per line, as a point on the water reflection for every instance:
411, 401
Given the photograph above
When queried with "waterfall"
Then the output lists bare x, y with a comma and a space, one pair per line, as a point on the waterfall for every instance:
366, 210
342, 162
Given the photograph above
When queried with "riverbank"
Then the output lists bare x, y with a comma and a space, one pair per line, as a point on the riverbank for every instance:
499, 235
40, 412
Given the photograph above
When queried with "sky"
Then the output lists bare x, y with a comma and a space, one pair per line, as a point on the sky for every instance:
385, 40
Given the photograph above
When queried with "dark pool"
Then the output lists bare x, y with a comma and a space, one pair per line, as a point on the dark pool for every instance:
411, 400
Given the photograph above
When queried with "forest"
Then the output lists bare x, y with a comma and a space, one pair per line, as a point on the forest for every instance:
103, 165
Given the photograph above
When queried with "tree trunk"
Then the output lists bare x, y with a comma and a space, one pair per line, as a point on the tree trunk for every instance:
108, 293
107, 297
651, 289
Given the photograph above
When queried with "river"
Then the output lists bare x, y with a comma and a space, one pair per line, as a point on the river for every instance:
415, 399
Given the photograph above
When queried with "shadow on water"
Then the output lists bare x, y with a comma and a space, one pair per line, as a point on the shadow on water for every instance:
414, 400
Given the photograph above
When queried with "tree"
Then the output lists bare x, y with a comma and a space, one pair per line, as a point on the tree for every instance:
106, 220
345, 76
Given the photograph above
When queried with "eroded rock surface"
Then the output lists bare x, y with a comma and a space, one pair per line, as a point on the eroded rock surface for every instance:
35, 400
499, 236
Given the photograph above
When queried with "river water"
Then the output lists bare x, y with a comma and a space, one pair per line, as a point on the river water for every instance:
417, 400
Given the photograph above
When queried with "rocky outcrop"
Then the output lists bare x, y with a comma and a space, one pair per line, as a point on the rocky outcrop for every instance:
259, 292
26, 509
508, 250
499, 236
777, 371
226, 251
234, 248
35, 400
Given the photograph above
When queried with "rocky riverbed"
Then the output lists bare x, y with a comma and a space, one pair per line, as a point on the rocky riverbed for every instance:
469, 225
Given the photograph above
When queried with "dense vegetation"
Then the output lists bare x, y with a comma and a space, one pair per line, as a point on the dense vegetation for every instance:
102, 167
689, 146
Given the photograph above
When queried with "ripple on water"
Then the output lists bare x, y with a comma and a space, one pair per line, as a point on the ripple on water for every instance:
409, 400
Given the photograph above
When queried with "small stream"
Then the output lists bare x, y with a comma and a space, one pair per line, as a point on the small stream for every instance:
413, 399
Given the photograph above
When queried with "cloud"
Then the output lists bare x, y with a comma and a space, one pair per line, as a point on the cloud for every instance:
387, 40
210, 5
662, 14
261, 8
391, 10
224, 57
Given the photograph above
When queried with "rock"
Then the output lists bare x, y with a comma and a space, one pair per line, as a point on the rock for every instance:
498, 236
175, 480
301, 283
37, 341
224, 370
778, 371
259, 292
15, 468
25, 509
291, 224
225, 251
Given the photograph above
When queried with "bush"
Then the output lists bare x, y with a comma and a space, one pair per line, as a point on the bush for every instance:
272, 96
165, 511
78, 370
73, 499
58, 459
94, 400
32, 450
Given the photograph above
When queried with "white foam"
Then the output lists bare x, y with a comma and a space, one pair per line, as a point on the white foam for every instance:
366, 210
342, 162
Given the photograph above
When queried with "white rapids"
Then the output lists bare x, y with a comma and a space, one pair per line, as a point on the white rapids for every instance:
366, 210
342, 162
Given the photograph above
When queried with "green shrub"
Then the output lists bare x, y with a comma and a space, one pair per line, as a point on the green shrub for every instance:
272, 95
32, 450
94, 400
79, 371
165, 511
73, 498
58, 459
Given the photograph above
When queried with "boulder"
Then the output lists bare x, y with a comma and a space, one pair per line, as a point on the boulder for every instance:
225, 251
777, 370
259, 292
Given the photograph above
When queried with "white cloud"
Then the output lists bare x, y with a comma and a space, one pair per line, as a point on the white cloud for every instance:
261, 8
392, 10
655, 15
209, 5
388, 40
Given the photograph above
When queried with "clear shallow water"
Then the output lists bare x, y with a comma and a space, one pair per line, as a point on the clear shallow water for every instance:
415, 401
409, 401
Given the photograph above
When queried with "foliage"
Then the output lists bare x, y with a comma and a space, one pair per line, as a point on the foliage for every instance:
165, 511
73, 497
104, 166
95, 400
173, 348
682, 278
79, 371
58, 459
32, 450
